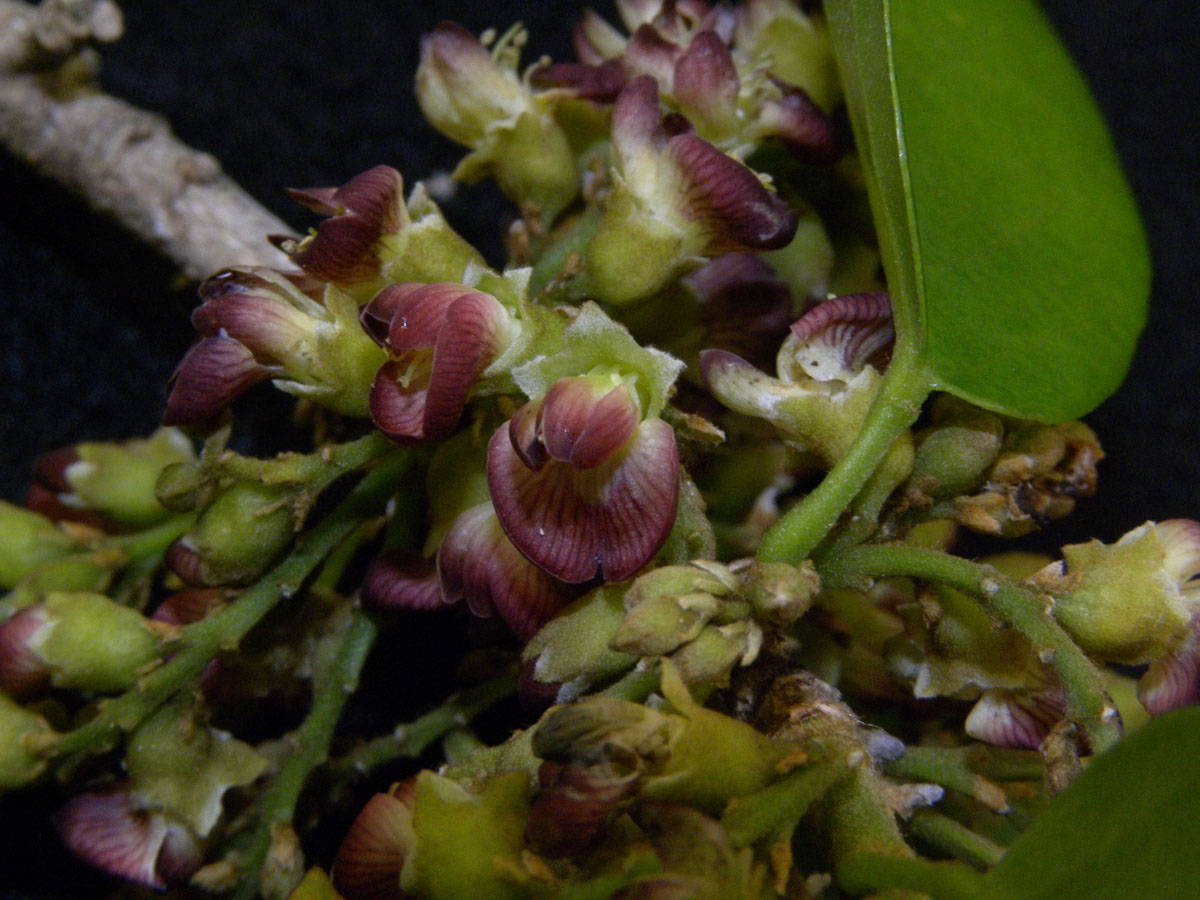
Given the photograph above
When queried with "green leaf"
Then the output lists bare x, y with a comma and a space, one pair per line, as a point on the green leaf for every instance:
1127, 828
1014, 251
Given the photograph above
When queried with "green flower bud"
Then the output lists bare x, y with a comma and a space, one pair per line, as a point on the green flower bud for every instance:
19, 765
184, 768
181, 486
953, 457
462, 836
779, 593
118, 479
707, 661
574, 647
26, 541
91, 643
89, 572
667, 608
237, 536
1121, 602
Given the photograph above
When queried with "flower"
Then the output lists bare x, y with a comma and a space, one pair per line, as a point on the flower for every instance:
107, 829
372, 238
255, 324
439, 339
1137, 601
477, 99
716, 66
675, 198
585, 477
829, 373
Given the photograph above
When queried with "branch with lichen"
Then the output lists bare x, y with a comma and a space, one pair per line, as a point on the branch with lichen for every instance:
123, 161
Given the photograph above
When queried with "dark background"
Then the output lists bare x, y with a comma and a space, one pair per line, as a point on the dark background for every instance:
286, 92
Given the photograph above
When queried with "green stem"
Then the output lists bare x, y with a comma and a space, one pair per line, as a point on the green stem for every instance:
863, 872
152, 542
552, 261
310, 742
413, 738
746, 819
798, 532
314, 470
225, 629
955, 839
1018, 606
635, 685
951, 768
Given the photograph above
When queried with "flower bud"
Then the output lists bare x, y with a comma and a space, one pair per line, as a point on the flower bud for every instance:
91, 643
237, 536
667, 608
574, 647
444, 866
26, 541
707, 661
952, 457
19, 765
780, 593
183, 768
88, 571
1123, 602
117, 480
181, 486
477, 99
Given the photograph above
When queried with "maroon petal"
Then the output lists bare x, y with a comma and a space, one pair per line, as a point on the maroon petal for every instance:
376, 316
397, 399
106, 831
477, 562
466, 345
186, 607
525, 433
744, 306
802, 125
705, 82
1173, 681
362, 211
649, 53
213, 373
580, 428
737, 212
572, 805
419, 312
577, 524
600, 82
1018, 719
265, 325
400, 580
635, 119
595, 41
369, 860
838, 337
23, 673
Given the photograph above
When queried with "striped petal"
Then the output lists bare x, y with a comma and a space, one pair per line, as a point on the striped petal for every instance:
577, 524
477, 562
1017, 719
369, 860
361, 212
211, 375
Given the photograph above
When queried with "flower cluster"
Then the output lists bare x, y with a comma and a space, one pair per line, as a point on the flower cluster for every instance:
578, 467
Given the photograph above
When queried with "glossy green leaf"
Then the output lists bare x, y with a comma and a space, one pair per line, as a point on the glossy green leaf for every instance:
1013, 248
1127, 829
